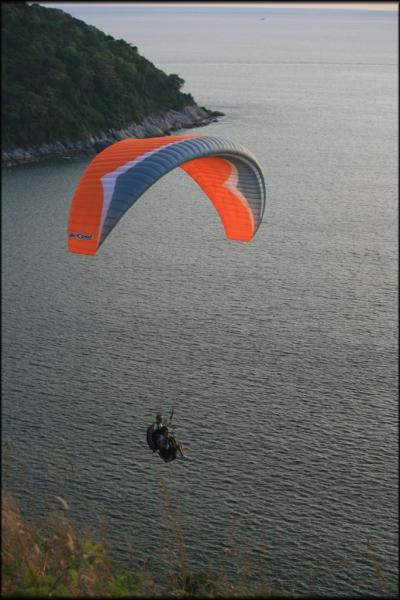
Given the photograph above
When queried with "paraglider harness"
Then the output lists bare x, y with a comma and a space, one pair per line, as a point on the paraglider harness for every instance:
167, 455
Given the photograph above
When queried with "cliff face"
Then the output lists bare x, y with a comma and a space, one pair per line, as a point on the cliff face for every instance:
151, 126
68, 87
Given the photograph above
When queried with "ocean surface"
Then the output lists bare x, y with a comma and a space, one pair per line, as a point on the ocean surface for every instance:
279, 356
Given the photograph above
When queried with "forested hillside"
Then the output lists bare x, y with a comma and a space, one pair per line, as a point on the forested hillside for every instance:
64, 79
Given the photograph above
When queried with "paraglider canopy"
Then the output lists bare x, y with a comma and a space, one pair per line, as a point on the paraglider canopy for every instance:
118, 176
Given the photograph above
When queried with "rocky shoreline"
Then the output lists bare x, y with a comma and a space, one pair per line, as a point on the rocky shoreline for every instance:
150, 126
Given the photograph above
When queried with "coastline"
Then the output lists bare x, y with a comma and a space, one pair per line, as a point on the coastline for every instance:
151, 126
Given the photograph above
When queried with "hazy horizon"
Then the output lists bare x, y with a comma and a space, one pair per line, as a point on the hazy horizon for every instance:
373, 6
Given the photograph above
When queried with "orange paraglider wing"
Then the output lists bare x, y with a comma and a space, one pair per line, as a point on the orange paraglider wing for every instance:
117, 177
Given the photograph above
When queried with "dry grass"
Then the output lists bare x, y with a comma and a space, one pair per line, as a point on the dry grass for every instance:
50, 559
378, 572
209, 582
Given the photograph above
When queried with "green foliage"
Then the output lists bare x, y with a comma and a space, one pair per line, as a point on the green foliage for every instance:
200, 583
51, 560
123, 585
64, 79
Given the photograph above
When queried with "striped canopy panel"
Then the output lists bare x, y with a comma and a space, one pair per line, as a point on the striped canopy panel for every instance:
119, 175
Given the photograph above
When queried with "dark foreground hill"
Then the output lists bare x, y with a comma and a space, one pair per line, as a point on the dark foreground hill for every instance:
66, 81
